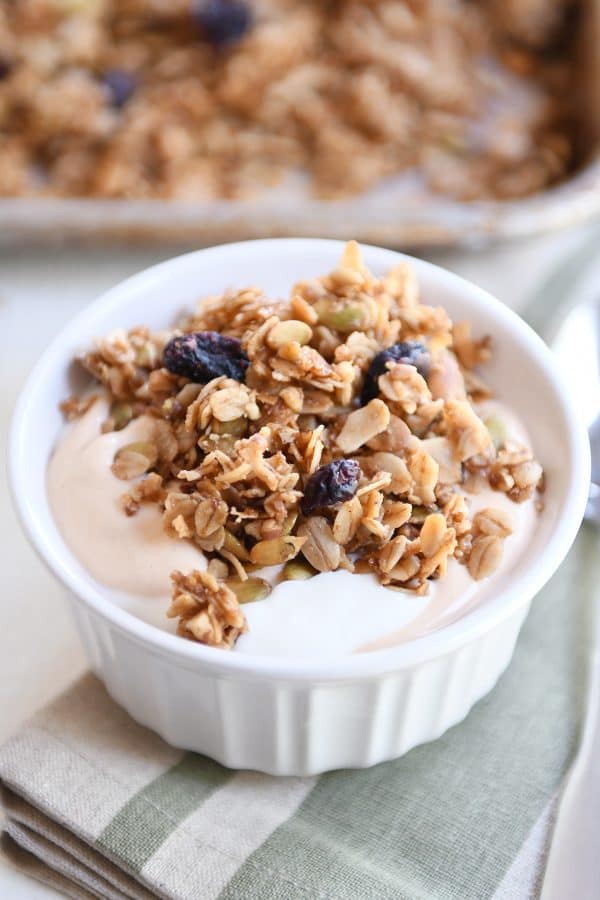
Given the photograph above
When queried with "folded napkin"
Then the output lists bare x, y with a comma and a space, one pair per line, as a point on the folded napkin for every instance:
98, 806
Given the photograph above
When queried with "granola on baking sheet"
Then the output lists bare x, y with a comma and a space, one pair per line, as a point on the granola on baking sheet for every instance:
338, 428
202, 99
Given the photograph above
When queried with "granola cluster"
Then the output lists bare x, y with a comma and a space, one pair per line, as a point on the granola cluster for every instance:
293, 465
202, 99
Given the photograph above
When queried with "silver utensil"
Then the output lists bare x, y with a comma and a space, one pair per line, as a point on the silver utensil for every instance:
577, 345
573, 867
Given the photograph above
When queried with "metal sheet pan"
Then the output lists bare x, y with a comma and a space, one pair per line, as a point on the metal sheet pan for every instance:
398, 213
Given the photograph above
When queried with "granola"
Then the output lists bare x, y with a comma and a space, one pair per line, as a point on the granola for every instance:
288, 465
194, 100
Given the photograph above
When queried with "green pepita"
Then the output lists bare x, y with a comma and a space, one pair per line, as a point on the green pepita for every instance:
236, 428
235, 546
497, 430
418, 515
345, 318
297, 570
132, 460
250, 590
275, 551
121, 413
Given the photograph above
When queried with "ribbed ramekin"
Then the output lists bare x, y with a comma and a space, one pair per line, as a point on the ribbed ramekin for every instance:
293, 716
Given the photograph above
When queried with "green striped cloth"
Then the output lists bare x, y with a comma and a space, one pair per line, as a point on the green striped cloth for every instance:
101, 807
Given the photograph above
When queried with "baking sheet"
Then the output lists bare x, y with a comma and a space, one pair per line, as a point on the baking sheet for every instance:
400, 212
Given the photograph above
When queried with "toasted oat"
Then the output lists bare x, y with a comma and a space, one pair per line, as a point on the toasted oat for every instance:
485, 556
425, 473
401, 479
442, 451
466, 432
347, 520
210, 514
496, 522
320, 548
432, 534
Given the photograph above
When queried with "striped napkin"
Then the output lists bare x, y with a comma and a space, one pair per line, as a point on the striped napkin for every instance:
100, 807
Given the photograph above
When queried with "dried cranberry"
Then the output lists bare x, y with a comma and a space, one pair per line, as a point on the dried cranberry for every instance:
204, 355
412, 353
120, 86
331, 484
224, 22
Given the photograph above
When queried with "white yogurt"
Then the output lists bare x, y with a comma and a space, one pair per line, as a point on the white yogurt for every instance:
131, 554
330, 615
337, 613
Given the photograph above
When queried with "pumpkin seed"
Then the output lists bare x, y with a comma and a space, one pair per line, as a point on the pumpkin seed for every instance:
134, 459
275, 551
235, 546
250, 590
497, 430
296, 570
237, 427
121, 413
290, 330
346, 317
418, 515
289, 522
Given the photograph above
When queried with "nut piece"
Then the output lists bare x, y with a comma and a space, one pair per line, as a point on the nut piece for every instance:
362, 425
134, 459
496, 522
527, 474
290, 330
466, 432
432, 534
390, 555
233, 402
275, 551
485, 556
208, 611
321, 549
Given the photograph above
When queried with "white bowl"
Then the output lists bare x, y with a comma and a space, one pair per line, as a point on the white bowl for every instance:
287, 716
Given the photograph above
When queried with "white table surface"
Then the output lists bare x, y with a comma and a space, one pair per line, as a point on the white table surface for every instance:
40, 289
